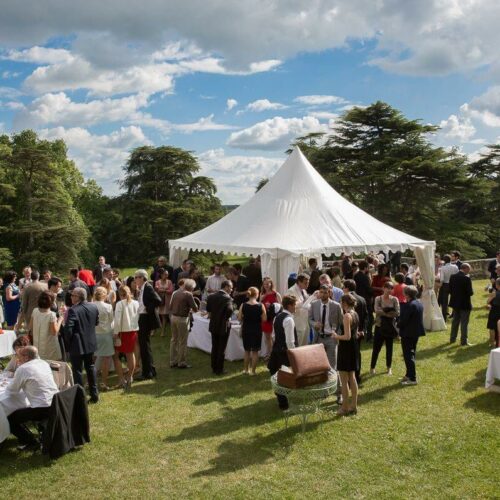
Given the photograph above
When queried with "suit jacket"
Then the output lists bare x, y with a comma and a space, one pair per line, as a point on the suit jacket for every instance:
97, 272
335, 316
362, 311
30, 298
79, 331
411, 319
220, 308
363, 286
461, 291
151, 301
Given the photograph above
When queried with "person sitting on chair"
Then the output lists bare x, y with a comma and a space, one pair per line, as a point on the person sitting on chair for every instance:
34, 378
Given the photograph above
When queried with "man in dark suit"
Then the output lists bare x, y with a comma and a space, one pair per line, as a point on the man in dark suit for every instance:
99, 269
362, 312
220, 309
149, 320
81, 341
460, 300
411, 327
364, 289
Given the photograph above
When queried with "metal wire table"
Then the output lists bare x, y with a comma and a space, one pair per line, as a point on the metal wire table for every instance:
306, 401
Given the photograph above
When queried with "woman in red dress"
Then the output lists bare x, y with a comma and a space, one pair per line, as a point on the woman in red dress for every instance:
268, 296
383, 275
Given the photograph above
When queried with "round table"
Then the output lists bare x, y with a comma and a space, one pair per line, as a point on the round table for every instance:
307, 400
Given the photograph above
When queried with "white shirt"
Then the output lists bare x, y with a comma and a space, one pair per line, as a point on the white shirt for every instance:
289, 327
328, 327
142, 307
214, 282
446, 271
36, 380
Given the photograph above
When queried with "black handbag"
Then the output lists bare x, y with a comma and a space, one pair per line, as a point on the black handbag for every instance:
388, 327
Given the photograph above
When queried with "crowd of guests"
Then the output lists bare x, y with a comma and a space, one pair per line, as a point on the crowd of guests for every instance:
98, 318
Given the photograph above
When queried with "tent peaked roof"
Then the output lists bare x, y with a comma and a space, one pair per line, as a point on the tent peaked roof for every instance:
297, 211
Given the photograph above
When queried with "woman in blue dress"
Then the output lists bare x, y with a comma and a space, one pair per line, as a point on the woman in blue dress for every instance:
12, 302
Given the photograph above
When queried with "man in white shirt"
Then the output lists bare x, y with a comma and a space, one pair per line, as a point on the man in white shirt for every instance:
301, 316
445, 273
34, 377
285, 337
214, 281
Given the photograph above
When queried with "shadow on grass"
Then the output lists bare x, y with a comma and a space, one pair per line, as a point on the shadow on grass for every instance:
232, 419
476, 382
463, 354
237, 454
381, 393
487, 402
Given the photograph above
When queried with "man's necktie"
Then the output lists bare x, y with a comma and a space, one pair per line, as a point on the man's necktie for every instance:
303, 294
323, 319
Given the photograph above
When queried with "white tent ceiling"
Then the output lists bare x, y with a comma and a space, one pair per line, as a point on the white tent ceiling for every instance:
297, 211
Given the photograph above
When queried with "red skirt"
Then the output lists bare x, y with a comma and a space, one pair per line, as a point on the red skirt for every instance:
128, 342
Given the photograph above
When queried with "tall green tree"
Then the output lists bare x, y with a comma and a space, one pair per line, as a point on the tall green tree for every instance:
164, 199
387, 165
44, 228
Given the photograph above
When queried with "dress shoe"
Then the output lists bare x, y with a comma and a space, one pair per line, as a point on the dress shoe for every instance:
141, 378
409, 382
93, 401
29, 447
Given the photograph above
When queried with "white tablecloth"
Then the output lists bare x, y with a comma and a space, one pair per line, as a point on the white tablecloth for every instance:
200, 338
493, 371
6, 340
4, 423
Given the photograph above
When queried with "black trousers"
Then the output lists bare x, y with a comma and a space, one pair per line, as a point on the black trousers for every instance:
18, 418
276, 359
357, 373
369, 320
86, 360
378, 342
219, 343
409, 346
148, 368
444, 298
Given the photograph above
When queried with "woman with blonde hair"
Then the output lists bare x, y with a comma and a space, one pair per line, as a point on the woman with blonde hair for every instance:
110, 293
104, 333
125, 334
45, 325
251, 315
268, 296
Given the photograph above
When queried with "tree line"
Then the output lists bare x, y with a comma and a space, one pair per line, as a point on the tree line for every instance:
51, 217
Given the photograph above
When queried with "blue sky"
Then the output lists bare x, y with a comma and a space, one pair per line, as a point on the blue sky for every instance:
235, 82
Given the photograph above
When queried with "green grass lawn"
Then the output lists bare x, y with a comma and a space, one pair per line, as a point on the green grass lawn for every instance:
189, 434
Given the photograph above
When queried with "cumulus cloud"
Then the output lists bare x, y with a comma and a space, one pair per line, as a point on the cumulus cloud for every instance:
320, 100
276, 133
60, 109
231, 103
456, 127
264, 105
236, 176
100, 157
38, 55
485, 107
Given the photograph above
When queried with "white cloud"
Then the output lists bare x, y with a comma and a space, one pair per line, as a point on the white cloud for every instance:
485, 107
276, 133
236, 176
324, 115
100, 157
39, 55
426, 37
231, 103
320, 100
9, 92
10, 74
61, 110
456, 127
264, 105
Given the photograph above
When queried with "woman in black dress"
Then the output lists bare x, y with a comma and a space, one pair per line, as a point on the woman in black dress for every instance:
494, 314
348, 356
251, 316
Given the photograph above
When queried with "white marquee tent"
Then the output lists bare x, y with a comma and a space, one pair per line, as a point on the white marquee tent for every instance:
298, 214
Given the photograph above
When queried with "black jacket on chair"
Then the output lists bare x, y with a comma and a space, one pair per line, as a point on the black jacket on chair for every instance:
68, 423
151, 301
461, 291
79, 331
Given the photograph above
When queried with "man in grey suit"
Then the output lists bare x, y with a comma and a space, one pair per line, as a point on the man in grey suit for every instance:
325, 317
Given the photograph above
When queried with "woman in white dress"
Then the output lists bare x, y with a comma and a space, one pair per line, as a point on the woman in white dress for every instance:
104, 334
45, 326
